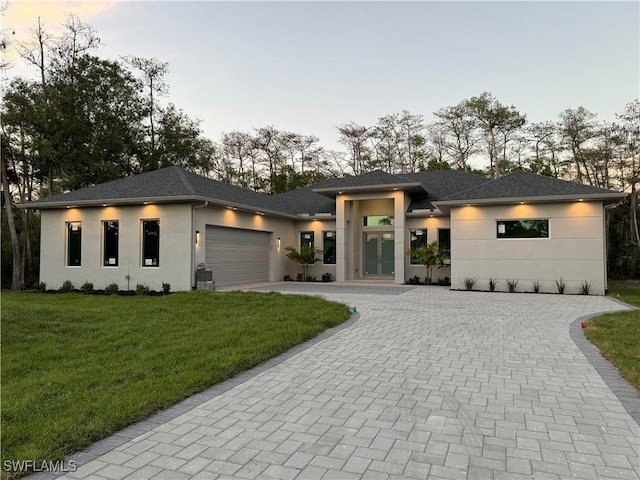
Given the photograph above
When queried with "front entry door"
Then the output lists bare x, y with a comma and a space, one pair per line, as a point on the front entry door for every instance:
379, 254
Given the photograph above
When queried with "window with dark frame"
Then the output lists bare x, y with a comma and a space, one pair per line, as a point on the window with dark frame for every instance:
536, 228
306, 238
417, 239
151, 243
377, 220
110, 243
444, 239
329, 248
74, 244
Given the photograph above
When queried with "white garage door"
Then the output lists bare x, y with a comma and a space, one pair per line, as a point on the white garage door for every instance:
237, 256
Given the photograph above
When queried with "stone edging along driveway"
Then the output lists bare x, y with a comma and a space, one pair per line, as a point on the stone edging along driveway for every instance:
625, 392
427, 383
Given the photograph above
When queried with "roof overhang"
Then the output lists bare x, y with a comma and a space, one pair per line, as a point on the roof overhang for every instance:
446, 205
426, 212
153, 200
332, 192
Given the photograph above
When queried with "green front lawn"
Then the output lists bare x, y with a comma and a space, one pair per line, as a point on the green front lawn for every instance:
617, 335
77, 368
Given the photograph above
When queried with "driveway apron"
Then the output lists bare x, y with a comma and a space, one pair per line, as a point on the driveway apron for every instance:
428, 383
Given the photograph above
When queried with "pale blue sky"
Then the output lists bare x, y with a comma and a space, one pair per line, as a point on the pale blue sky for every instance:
310, 66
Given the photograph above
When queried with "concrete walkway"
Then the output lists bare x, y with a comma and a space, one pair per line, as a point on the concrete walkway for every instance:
427, 383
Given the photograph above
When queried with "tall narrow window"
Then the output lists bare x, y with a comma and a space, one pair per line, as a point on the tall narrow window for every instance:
110, 244
444, 239
306, 238
151, 243
74, 244
329, 248
417, 239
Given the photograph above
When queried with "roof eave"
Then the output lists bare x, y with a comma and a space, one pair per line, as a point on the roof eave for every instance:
153, 200
333, 191
445, 205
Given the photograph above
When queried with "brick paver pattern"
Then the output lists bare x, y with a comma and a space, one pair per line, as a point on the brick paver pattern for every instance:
428, 383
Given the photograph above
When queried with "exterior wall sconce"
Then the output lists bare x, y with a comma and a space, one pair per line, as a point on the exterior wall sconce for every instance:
279, 243
197, 237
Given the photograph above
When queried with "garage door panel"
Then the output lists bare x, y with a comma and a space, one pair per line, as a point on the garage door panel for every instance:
237, 256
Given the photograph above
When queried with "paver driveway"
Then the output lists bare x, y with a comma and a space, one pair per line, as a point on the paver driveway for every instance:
428, 383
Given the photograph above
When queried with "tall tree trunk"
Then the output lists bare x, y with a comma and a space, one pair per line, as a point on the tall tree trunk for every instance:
17, 278
633, 216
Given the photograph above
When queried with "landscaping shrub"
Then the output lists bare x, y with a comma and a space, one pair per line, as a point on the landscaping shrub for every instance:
87, 287
112, 289
66, 287
561, 285
327, 277
512, 285
41, 287
585, 288
166, 288
493, 283
142, 289
536, 285
470, 282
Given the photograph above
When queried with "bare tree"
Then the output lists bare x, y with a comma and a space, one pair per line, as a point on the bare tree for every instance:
455, 134
354, 137
153, 72
578, 127
494, 119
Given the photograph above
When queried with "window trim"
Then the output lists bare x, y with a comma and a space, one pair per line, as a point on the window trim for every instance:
104, 243
324, 250
142, 244
365, 221
498, 221
68, 230
413, 260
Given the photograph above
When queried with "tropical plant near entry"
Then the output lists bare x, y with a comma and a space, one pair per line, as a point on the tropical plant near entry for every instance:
469, 283
305, 257
512, 285
430, 256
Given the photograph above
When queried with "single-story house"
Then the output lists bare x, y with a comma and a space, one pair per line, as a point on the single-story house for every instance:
166, 225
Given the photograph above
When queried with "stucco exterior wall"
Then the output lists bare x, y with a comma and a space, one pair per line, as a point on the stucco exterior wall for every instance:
432, 225
317, 227
175, 247
574, 251
350, 209
226, 217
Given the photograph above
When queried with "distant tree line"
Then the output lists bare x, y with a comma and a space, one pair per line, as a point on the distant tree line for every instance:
87, 120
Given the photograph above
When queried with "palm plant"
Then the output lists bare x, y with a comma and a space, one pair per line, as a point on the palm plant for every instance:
305, 257
430, 256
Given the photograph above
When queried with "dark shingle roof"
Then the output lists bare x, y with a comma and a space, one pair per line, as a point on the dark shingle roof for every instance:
305, 200
446, 187
440, 183
168, 184
526, 185
377, 177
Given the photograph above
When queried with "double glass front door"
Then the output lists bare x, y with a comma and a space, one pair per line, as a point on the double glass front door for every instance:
378, 253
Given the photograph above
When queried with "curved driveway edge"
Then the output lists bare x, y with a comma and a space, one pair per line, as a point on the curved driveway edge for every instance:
627, 395
428, 383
